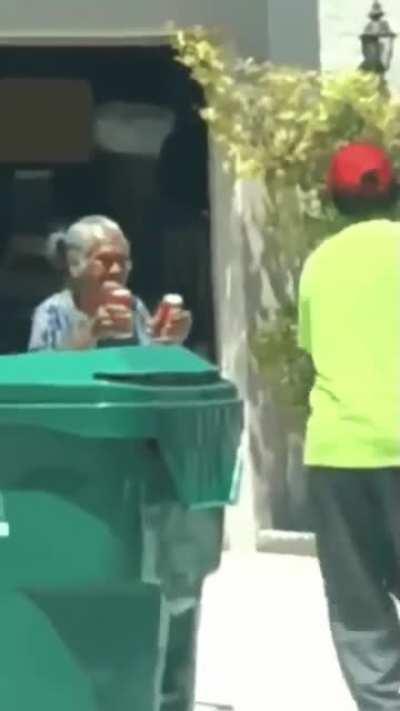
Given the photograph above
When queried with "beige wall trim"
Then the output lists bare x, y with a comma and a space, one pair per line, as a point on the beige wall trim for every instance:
140, 38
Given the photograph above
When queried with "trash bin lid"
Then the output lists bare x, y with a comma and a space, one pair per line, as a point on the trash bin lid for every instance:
86, 376
164, 393
128, 374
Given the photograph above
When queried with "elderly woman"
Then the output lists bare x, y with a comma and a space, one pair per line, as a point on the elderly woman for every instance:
96, 253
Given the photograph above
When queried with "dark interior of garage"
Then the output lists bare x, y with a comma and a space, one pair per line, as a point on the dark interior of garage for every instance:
159, 197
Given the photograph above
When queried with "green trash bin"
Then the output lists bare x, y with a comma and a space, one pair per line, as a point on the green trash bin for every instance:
116, 467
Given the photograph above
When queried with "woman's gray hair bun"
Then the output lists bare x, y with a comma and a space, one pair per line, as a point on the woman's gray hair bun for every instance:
56, 248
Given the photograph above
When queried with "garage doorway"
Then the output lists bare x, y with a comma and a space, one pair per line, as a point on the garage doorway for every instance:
139, 154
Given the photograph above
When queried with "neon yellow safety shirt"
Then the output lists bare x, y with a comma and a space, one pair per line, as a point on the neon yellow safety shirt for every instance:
349, 322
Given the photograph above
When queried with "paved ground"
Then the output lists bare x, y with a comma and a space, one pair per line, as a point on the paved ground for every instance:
264, 641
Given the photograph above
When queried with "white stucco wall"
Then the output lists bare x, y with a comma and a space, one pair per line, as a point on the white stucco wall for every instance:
232, 333
242, 292
341, 23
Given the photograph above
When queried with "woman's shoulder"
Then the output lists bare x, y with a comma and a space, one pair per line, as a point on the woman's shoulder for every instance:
60, 301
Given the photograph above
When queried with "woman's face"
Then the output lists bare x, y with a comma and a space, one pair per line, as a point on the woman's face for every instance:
109, 260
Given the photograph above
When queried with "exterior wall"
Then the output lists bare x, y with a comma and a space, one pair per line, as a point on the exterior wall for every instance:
341, 23
232, 332
242, 292
58, 17
283, 30
293, 32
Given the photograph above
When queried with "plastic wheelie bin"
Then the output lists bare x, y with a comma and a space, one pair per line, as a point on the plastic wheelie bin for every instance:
116, 465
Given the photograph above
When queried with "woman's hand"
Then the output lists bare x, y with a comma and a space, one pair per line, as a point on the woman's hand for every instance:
112, 320
176, 330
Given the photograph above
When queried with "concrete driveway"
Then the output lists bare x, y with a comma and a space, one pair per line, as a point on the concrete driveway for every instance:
264, 640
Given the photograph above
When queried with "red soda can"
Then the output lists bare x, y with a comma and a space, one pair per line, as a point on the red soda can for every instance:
169, 304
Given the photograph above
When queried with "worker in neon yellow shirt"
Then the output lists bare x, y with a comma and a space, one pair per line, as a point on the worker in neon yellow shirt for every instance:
349, 324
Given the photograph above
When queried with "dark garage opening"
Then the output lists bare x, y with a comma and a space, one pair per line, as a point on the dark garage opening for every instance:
160, 196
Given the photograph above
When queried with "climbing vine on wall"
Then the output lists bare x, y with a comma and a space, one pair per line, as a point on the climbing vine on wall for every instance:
281, 125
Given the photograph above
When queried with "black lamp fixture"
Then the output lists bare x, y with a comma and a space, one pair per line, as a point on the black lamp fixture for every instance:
377, 42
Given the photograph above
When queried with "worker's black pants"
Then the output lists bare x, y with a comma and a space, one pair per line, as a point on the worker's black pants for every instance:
356, 517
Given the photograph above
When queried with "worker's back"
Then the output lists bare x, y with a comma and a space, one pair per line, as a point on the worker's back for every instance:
350, 323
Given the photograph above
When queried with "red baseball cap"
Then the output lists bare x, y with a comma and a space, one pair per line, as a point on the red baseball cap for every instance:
361, 170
